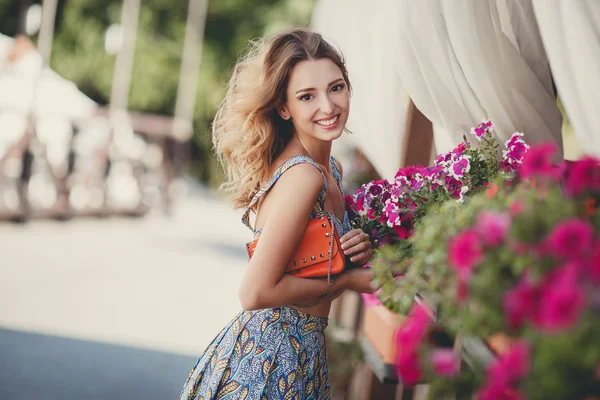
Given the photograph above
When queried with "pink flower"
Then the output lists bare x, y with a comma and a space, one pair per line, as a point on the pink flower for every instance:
492, 226
460, 149
460, 167
372, 214
481, 129
562, 300
516, 208
371, 299
401, 231
408, 339
582, 175
570, 239
465, 252
444, 362
520, 303
513, 365
504, 374
537, 162
414, 328
408, 367
515, 150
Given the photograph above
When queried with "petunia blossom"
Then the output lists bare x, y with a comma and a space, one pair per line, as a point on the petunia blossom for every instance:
571, 239
582, 175
492, 226
521, 302
465, 251
562, 300
444, 362
537, 162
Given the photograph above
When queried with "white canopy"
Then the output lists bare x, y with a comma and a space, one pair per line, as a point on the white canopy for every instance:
379, 103
571, 33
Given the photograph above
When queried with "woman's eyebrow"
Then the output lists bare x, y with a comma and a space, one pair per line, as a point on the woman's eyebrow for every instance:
312, 88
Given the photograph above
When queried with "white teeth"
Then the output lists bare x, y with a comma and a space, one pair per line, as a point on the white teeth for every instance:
328, 122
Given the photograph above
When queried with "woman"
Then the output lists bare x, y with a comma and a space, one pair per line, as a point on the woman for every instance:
287, 101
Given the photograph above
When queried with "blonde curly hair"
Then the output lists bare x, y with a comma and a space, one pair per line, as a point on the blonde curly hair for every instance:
248, 133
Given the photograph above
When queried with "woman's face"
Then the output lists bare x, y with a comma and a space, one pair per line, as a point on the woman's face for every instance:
318, 100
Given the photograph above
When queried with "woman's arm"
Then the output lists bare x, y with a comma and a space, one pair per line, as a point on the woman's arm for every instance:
290, 203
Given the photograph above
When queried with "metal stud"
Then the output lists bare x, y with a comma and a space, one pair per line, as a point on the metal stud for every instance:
313, 258
295, 263
324, 225
322, 255
327, 234
304, 260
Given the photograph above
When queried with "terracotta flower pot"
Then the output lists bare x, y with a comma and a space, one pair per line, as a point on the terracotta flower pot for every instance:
380, 326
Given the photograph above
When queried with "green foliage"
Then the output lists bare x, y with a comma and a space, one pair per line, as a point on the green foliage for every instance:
78, 51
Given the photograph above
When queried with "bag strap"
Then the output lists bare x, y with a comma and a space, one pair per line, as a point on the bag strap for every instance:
319, 206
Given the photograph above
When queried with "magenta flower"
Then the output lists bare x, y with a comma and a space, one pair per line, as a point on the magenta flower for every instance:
562, 300
492, 226
537, 162
413, 330
465, 252
515, 208
504, 374
408, 367
570, 239
521, 302
513, 365
370, 299
444, 362
349, 202
408, 339
372, 214
460, 167
582, 175
460, 149
481, 129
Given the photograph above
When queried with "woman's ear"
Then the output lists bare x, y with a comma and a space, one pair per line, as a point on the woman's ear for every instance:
283, 112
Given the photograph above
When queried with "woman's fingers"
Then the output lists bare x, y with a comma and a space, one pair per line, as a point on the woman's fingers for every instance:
352, 234
353, 238
357, 248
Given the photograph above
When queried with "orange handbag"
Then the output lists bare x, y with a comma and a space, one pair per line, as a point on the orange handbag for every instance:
318, 255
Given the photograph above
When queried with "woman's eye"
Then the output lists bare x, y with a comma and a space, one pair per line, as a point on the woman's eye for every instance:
306, 97
337, 88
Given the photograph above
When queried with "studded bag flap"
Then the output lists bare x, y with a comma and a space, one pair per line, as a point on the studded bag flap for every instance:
318, 255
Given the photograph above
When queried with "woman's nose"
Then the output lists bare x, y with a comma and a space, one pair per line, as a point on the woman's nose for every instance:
326, 105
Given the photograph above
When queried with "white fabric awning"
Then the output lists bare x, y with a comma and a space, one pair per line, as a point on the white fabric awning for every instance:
363, 32
571, 33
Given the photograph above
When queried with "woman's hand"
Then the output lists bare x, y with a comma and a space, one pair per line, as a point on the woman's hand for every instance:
358, 280
357, 246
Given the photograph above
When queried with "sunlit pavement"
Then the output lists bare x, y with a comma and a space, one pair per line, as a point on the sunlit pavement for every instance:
116, 308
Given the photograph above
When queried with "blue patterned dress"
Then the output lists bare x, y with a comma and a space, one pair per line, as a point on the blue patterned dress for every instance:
275, 353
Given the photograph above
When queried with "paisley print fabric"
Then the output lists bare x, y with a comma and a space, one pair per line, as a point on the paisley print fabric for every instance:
276, 353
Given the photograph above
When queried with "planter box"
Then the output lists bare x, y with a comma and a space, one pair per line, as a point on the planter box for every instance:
380, 326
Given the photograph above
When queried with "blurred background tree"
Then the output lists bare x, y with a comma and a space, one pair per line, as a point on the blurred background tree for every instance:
78, 53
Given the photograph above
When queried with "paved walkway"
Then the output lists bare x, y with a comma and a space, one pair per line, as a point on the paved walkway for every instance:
123, 303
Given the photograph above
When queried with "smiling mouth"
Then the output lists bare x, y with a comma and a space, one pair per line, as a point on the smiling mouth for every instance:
328, 122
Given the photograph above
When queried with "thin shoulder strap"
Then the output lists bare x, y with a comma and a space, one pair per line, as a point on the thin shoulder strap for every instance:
280, 171
336, 172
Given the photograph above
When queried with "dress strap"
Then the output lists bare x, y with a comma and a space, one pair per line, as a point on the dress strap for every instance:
280, 170
336, 173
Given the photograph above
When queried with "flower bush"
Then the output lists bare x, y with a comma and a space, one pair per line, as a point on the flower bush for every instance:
389, 211
522, 260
